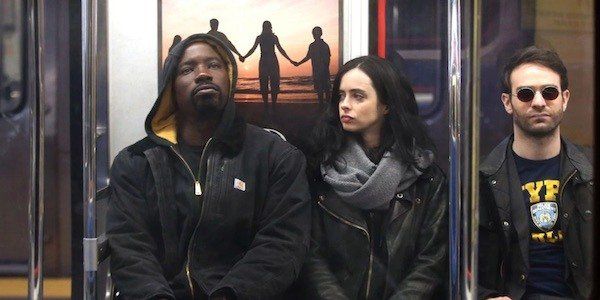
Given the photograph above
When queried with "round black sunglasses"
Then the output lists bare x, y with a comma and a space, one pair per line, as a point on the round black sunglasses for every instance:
527, 94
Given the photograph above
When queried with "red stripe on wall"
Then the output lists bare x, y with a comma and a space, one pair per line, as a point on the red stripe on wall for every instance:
381, 28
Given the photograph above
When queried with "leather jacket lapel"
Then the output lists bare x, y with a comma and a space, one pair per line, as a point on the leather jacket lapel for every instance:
566, 205
334, 204
518, 209
400, 205
500, 188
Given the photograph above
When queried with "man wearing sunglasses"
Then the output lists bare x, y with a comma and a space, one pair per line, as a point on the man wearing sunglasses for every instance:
535, 222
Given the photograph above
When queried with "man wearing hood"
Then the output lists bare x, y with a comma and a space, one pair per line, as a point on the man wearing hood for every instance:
206, 206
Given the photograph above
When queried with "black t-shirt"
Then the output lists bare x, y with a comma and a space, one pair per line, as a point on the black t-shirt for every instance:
191, 155
540, 183
188, 206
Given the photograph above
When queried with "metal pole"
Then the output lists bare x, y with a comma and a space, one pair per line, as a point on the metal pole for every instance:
474, 135
454, 85
89, 52
35, 29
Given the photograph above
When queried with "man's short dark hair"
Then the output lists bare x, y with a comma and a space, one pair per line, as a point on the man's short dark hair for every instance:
534, 55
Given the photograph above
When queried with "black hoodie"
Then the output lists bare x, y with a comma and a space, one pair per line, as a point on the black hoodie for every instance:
238, 226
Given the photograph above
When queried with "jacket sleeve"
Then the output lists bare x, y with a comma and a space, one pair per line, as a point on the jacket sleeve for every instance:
428, 272
133, 262
317, 279
275, 256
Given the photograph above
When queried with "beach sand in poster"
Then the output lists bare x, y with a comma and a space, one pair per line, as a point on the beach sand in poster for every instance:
297, 89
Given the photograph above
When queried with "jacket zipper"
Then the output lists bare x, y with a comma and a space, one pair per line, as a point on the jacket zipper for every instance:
197, 187
197, 192
366, 233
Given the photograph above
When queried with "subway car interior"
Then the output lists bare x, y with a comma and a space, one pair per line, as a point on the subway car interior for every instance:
77, 79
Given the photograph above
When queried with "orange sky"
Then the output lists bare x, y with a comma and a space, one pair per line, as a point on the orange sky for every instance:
241, 21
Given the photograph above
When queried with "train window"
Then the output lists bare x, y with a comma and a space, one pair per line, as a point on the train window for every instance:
490, 29
415, 42
14, 141
551, 25
11, 60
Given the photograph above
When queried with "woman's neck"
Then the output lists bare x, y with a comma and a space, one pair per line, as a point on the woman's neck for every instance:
370, 139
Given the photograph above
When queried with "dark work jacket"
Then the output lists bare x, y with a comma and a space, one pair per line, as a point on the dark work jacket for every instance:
247, 228
504, 264
339, 263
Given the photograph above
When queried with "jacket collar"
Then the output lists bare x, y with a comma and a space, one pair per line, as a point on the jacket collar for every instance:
578, 160
496, 158
334, 205
399, 205
573, 154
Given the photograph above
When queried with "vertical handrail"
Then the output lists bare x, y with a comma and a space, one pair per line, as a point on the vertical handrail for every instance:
464, 149
35, 29
454, 93
89, 70
474, 135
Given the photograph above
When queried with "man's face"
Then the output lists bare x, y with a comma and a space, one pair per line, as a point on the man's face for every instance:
201, 84
538, 117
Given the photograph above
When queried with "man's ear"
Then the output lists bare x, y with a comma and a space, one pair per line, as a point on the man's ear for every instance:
176, 40
506, 102
566, 94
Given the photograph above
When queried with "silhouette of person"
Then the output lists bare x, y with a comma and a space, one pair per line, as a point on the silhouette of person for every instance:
319, 55
214, 26
268, 66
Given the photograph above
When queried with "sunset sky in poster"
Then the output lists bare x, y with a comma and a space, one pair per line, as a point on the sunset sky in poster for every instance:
241, 21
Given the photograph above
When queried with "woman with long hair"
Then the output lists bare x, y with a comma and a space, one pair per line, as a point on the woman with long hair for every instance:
380, 214
268, 66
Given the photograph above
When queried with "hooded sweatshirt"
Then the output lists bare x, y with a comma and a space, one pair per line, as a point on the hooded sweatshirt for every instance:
236, 225
160, 123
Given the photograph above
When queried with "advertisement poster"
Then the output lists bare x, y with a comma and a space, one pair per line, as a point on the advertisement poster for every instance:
287, 52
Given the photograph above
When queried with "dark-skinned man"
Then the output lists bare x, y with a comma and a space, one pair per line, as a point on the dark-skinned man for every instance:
206, 206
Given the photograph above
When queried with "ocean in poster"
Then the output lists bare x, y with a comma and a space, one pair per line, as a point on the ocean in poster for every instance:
292, 89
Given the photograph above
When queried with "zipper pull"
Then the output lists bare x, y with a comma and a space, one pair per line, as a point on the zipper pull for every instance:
197, 188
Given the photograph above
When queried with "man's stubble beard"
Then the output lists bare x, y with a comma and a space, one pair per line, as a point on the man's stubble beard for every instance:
529, 130
210, 110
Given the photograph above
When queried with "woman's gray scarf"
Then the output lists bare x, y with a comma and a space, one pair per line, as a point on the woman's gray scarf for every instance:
365, 185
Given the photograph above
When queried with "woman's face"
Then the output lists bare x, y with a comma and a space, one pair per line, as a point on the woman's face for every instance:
360, 110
